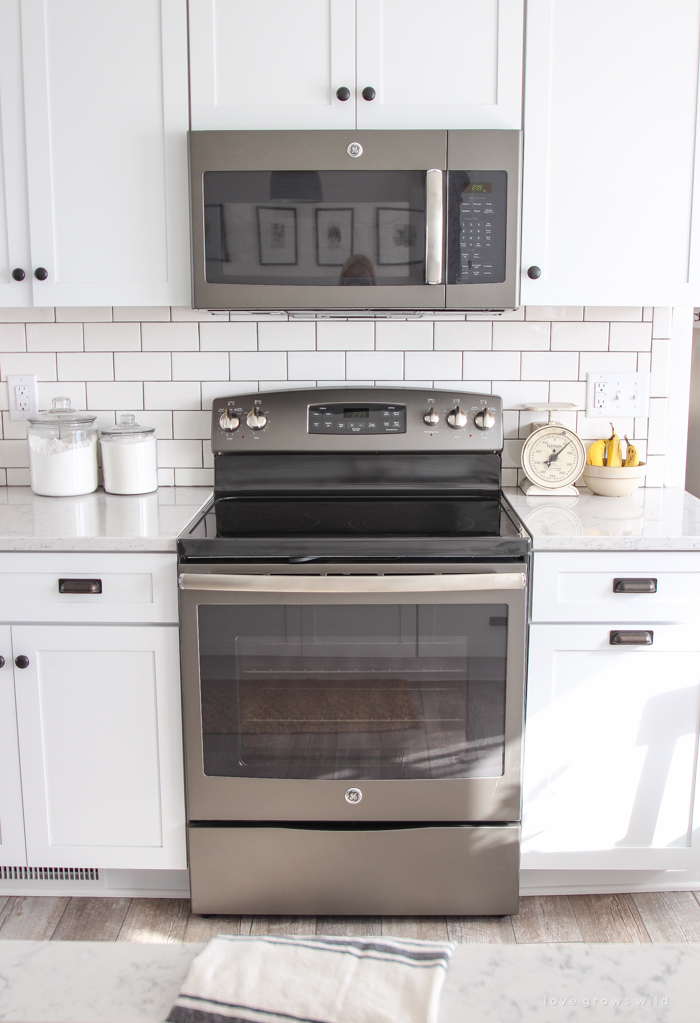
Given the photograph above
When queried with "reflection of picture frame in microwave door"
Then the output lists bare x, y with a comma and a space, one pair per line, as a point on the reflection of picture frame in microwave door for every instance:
333, 236
277, 236
400, 236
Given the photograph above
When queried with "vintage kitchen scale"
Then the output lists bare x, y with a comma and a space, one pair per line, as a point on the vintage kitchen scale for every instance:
553, 456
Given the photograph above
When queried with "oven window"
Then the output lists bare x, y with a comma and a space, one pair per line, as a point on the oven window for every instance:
315, 228
353, 691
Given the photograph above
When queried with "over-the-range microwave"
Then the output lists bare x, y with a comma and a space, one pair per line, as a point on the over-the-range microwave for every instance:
355, 220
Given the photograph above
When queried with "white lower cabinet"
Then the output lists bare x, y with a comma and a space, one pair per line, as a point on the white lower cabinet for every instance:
100, 747
12, 850
611, 748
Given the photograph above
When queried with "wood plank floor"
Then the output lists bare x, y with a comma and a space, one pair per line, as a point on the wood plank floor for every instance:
655, 917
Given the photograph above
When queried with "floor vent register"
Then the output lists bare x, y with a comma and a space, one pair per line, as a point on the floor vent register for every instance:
49, 874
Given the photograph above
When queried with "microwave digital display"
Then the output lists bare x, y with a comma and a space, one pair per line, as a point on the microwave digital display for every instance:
476, 227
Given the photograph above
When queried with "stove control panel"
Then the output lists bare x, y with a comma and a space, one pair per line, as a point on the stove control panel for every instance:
357, 419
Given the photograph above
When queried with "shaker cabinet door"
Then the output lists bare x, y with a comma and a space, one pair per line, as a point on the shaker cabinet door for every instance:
12, 851
610, 749
105, 102
271, 64
14, 223
446, 64
610, 168
98, 712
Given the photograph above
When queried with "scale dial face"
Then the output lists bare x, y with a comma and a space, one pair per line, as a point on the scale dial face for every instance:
553, 457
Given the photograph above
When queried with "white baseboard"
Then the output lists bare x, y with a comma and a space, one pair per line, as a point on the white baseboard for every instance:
110, 884
606, 882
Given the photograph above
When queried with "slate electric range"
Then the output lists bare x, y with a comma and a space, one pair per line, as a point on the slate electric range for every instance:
353, 620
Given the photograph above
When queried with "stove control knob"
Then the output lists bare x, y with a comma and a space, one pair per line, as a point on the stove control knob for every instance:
457, 418
256, 420
229, 421
431, 418
484, 420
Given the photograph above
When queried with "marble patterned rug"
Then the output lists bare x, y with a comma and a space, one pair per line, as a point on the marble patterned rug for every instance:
123, 982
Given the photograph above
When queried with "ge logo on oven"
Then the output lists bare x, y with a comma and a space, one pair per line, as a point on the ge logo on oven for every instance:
355, 149
353, 795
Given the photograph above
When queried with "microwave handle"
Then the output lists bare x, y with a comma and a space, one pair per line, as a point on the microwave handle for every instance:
433, 227
289, 584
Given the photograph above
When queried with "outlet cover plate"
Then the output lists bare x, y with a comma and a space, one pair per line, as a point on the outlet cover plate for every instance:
617, 394
22, 396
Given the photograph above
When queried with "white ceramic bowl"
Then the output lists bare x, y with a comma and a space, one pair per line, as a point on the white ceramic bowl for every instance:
614, 482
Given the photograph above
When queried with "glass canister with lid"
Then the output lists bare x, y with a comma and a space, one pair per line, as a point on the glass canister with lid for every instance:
62, 451
129, 464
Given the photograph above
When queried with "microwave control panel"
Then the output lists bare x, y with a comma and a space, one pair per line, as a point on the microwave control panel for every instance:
476, 228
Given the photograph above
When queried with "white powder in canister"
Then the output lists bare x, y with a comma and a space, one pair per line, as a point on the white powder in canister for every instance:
129, 464
62, 468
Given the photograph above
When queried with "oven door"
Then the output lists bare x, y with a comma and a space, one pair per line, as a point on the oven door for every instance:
365, 693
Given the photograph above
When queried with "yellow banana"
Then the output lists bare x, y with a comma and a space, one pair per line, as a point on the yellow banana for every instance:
632, 455
614, 459
596, 452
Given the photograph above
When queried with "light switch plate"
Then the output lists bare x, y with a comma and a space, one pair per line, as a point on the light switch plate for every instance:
617, 394
22, 395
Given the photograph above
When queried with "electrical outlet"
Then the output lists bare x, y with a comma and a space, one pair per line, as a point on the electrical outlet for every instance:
22, 396
617, 394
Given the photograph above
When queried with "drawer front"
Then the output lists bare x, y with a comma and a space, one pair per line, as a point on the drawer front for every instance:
139, 588
625, 587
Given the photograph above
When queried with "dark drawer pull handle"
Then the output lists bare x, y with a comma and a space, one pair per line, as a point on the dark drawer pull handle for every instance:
634, 585
641, 637
80, 586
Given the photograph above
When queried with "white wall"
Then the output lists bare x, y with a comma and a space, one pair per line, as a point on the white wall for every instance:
166, 365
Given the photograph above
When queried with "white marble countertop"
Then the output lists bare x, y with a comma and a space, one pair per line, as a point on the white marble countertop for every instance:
653, 519
97, 522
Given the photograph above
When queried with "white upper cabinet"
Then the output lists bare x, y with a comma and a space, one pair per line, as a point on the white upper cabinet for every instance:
446, 64
275, 64
610, 162
272, 64
105, 119
14, 225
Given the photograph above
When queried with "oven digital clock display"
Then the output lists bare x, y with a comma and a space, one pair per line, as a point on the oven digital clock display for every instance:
356, 413
372, 418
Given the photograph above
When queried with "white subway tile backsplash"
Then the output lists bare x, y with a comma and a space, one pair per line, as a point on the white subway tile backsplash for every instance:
4, 399
18, 477
142, 313
404, 336
73, 389
194, 477
554, 312
286, 337
54, 337
170, 337
643, 362
256, 365
346, 337
37, 315
606, 362
13, 454
200, 365
167, 395
663, 322
112, 337
166, 477
463, 336
118, 395
374, 365
446, 365
516, 392
512, 450
39, 363
594, 429
180, 454
13, 429
85, 366
13, 337
220, 388
568, 390
660, 368
630, 337
142, 366
316, 365
183, 314
641, 425
647, 313
228, 337
491, 365
161, 421
84, 314
549, 365
521, 337
511, 425
612, 312
192, 425
580, 337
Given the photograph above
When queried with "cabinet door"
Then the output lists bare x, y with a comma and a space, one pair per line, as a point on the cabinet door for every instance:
609, 159
610, 749
14, 224
12, 852
272, 64
105, 95
447, 64
98, 711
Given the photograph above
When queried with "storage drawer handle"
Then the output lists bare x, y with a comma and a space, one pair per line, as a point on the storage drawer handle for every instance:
80, 586
634, 585
641, 637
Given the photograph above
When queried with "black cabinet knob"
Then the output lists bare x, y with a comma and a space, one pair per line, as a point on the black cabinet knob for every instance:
18, 274
22, 661
41, 273
368, 93
343, 93
534, 272
2, 661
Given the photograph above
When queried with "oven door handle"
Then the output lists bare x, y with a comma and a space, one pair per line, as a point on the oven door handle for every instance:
448, 583
433, 227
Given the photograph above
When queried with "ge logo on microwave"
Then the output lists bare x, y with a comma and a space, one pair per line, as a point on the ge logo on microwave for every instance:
355, 149
353, 795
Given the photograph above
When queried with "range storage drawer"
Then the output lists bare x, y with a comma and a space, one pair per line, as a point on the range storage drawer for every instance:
77, 587
622, 587
327, 870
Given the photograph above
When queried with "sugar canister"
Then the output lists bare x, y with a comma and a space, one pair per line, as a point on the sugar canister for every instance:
129, 464
62, 451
